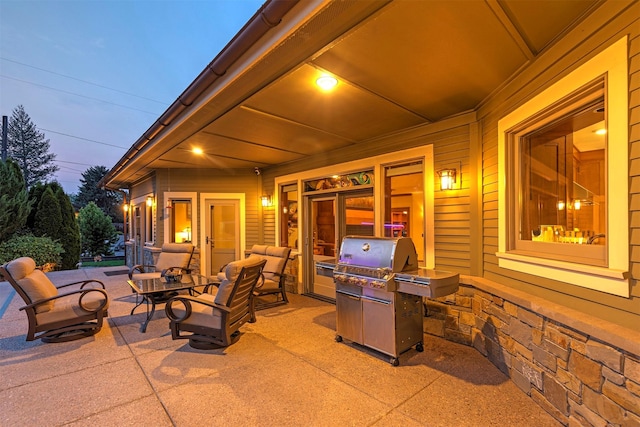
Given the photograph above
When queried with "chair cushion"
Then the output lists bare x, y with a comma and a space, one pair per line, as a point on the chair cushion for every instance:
174, 255
33, 282
145, 276
276, 257
177, 247
21, 267
67, 308
201, 315
231, 272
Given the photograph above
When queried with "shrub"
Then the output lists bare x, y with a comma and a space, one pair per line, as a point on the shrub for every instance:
96, 230
43, 250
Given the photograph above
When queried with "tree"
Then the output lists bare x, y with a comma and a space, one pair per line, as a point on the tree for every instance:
14, 199
96, 230
48, 219
70, 232
35, 194
29, 148
107, 200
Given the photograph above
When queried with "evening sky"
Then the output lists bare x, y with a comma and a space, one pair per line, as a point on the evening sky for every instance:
94, 75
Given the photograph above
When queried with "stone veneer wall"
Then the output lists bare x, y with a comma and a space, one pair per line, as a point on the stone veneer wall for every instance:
291, 275
578, 378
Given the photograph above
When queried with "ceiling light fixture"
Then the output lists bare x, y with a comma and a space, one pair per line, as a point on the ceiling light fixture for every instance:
600, 132
326, 82
197, 150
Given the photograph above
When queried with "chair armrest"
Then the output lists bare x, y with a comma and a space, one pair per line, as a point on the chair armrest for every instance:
82, 293
133, 269
208, 285
140, 268
186, 301
83, 283
260, 282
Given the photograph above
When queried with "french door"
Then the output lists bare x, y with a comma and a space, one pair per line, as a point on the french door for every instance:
222, 233
331, 217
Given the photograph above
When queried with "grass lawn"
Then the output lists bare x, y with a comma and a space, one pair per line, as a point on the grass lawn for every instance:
112, 263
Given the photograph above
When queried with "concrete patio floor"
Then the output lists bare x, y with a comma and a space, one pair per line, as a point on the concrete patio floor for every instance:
286, 370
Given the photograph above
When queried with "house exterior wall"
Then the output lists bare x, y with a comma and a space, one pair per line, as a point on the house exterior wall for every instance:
565, 56
575, 351
560, 344
211, 181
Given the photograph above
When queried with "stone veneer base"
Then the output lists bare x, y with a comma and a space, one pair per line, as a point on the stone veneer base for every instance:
582, 370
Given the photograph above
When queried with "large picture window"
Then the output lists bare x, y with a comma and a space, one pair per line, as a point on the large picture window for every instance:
560, 181
563, 170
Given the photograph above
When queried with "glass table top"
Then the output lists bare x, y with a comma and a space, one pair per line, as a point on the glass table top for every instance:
160, 284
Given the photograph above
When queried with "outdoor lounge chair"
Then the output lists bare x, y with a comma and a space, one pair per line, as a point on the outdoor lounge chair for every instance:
56, 314
272, 282
213, 320
173, 256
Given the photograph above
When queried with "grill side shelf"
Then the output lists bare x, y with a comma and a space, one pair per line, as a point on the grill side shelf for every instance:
437, 285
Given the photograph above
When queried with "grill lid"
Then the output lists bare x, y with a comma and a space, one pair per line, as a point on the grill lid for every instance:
397, 254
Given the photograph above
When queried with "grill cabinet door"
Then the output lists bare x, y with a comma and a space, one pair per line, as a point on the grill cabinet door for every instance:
379, 324
349, 316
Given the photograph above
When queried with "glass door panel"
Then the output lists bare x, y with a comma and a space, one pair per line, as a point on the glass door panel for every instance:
331, 217
222, 234
323, 229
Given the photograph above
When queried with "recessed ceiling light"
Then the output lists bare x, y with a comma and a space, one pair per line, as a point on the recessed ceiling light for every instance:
197, 150
326, 82
600, 132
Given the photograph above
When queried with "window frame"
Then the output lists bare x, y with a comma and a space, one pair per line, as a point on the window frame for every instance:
176, 195
612, 278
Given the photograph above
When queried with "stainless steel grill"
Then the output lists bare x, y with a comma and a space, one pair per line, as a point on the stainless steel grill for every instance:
379, 290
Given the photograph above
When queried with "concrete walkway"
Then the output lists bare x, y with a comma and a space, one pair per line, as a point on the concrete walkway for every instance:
286, 370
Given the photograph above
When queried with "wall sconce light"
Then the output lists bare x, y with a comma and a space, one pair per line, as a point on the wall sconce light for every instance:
447, 178
149, 201
266, 200
125, 207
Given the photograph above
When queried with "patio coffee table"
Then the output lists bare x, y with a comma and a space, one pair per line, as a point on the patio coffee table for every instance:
152, 289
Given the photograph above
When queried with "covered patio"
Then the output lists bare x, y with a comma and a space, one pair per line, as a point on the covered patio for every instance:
286, 369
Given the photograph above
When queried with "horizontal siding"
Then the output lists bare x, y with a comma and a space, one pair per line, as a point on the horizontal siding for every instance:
634, 168
214, 181
559, 60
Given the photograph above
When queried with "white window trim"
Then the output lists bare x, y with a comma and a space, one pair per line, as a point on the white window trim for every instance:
141, 202
171, 195
241, 198
613, 279
377, 163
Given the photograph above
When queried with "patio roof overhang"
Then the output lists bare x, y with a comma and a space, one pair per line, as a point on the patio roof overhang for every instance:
399, 64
